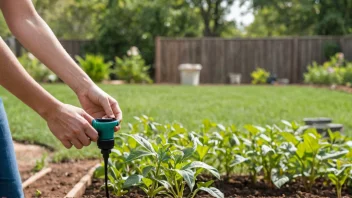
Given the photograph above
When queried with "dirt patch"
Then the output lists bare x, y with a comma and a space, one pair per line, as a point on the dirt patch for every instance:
26, 156
61, 180
240, 187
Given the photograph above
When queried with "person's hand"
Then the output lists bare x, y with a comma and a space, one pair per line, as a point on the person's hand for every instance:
72, 126
99, 104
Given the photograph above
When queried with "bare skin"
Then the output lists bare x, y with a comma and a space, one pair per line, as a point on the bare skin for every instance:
71, 125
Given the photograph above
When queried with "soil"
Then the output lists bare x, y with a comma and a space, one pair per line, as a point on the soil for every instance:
61, 180
26, 156
239, 186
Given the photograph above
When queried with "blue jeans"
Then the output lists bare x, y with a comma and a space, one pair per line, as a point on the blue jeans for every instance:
10, 180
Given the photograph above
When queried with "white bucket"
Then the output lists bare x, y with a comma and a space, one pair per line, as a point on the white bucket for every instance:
190, 74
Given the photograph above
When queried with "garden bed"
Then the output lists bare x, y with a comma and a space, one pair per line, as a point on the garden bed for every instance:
238, 186
60, 180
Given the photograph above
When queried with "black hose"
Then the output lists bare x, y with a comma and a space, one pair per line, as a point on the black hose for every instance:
106, 158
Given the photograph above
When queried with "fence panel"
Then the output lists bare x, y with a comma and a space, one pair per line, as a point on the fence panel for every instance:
285, 57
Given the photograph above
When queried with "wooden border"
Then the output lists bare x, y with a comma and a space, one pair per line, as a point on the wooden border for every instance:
35, 177
79, 189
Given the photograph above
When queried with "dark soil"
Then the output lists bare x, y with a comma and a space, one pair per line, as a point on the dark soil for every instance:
61, 180
239, 187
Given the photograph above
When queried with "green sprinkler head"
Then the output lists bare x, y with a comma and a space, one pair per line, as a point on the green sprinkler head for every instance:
105, 128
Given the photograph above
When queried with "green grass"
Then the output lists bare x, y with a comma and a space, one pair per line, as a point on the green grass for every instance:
189, 105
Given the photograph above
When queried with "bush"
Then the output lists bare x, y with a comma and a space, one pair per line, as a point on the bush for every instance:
330, 49
95, 67
132, 68
260, 76
36, 69
336, 71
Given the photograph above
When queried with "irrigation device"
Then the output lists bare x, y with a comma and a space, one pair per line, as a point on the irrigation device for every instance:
105, 128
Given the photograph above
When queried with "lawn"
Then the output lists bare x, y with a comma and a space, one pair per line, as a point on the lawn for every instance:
237, 105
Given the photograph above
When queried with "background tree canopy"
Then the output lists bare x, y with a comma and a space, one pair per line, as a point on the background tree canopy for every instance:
116, 25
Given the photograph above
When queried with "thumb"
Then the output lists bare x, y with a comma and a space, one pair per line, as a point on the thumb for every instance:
107, 107
89, 130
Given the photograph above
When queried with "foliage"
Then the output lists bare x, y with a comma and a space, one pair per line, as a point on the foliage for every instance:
213, 15
95, 67
331, 49
4, 30
336, 71
260, 76
40, 164
295, 17
162, 159
138, 23
38, 193
36, 69
132, 68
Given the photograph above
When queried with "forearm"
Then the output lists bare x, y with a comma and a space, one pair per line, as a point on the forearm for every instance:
16, 80
34, 34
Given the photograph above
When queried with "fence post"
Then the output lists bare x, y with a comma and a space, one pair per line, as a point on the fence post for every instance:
158, 60
295, 70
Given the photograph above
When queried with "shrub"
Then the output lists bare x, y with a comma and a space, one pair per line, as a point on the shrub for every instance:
132, 68
260, 76
336, 71
330, 49
36, 69
95, 67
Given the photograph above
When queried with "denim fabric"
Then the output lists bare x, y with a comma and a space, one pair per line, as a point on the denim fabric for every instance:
10, 180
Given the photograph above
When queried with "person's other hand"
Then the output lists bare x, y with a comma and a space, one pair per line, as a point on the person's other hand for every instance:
99, 104
72, 126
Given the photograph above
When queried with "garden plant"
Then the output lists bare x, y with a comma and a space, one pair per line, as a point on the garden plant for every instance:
170, 161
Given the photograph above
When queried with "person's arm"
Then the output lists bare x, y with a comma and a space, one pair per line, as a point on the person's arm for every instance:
30, 29
69, 124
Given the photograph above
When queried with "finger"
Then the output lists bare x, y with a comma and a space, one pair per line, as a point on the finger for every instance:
116, 109
117, 128
76, 143
66, 143
82, 137
89, 130
107, 108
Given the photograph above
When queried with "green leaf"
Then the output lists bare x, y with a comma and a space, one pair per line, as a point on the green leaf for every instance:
197, 164
238, 160
136, 154
188, 152
147, 169
99, 172
143, 142
133, 180
333, 179
221, 127
213, 192
202, 151
234, 141
287, 123
266, 150
290, 137
188, 176
166, 184
205, 184
147, 182
334, 155
278, 180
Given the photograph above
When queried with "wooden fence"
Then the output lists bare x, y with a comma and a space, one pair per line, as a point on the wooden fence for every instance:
73, 47
285, 57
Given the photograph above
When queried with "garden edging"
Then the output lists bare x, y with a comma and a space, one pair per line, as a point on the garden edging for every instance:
79, 189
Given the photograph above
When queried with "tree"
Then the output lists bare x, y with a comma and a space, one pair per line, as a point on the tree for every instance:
213, 14
137, 23
306, 17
